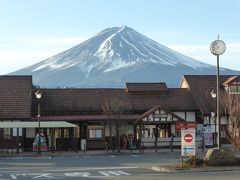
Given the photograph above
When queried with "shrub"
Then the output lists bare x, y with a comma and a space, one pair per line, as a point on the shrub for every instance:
190, 161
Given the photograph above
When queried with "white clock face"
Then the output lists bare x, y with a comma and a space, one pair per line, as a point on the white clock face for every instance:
217, 47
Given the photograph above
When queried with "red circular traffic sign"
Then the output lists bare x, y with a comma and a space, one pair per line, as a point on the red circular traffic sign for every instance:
188, 138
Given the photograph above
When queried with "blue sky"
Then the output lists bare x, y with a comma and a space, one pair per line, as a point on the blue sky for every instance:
33, 30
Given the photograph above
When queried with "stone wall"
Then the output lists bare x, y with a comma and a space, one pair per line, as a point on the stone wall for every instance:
218, 157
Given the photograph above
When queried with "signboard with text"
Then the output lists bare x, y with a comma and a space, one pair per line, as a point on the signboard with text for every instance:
185, 125
208, 136
188, 142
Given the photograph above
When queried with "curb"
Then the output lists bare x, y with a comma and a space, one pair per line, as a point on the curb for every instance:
202, 169
163, 169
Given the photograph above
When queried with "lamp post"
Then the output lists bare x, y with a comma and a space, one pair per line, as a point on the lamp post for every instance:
214, 95
217, 48
38, 95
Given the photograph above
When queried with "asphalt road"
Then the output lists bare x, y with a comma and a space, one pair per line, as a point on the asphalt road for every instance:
100, 167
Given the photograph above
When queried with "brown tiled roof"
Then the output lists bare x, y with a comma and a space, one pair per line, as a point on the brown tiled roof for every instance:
83, 101
146, 87
15, 97
201, 86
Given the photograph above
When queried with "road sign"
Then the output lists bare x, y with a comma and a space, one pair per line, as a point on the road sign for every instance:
188, 138
185, 125
208, 136
188, 142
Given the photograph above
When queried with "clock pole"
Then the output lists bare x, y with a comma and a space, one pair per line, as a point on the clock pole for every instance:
217, 48
218, 117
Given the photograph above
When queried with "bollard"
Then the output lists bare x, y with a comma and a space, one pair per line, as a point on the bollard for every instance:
156, 146
84, 149
171, 146
106, 147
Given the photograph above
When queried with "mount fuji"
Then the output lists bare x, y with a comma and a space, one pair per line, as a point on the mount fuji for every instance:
111, 58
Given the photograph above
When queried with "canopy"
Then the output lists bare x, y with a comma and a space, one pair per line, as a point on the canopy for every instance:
43, 124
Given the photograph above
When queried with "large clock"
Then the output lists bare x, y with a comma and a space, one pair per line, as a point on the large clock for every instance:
217, 47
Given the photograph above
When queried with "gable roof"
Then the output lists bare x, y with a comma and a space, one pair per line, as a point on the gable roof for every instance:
201, 86
15, 98
150, 111
230, 80
146, 87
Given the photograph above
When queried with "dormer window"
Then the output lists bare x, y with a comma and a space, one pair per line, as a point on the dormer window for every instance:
232, 85
234, 89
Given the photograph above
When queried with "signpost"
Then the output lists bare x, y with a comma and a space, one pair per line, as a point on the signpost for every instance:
207, 135
188, 143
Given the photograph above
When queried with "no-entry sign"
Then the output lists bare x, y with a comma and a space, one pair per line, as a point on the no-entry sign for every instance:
188, 138
188, 142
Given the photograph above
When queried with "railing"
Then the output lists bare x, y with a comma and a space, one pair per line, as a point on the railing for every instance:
167, 142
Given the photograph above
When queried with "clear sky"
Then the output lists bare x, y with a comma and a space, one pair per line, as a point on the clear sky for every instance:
33, 30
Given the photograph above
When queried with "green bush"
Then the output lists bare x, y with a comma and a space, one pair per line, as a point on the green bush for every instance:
190, 161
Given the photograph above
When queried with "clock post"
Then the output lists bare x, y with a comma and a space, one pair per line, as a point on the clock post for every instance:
218, 118
217, 48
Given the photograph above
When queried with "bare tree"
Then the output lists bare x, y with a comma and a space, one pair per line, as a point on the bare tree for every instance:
231, 106
114, 108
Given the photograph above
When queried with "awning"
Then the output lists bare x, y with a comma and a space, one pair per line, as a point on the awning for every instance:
44, 124
86, 117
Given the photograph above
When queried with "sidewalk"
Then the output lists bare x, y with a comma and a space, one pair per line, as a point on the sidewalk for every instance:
196, 169
176, 152
161, 151
167, 168
176, 168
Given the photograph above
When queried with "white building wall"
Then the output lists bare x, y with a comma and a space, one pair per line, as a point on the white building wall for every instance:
107, 130
30, 132
180, 114
124, 129
190, 116
173, 129
184, 84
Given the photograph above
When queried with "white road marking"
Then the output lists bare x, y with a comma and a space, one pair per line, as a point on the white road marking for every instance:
43, 176
87, 169
13, 176
106, 174
112, 156
78, 174
135, 155
115, 173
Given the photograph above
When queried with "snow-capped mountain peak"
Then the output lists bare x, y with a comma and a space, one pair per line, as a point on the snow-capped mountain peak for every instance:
112, 57
138, 47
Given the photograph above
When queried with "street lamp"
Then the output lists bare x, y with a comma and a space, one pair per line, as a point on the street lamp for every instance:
38, 95
217, 48
214, 95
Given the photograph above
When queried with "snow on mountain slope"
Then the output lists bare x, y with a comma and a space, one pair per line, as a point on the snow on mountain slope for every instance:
106, 59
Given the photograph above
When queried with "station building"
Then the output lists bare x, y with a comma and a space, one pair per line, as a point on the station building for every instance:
135, 116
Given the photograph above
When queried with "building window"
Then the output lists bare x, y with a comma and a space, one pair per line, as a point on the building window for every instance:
6, 133
58, 133
148, 131
77, 132
66, 133
234, 89
95, 132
